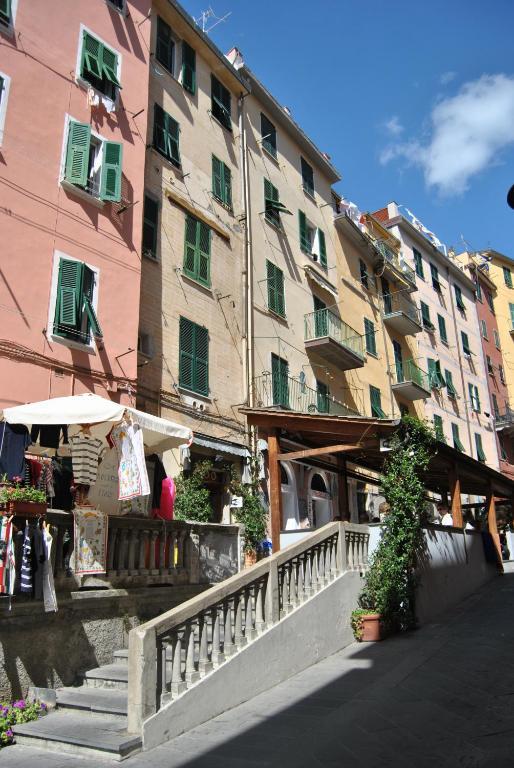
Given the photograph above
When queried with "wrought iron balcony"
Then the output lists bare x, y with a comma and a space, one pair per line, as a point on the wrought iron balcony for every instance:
504, 422
336, 342
287, 393
395, 267
400, 314
410, 381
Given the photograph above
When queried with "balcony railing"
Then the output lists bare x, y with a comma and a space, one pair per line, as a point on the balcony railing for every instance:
409, 372
398, 264
503, 420
323, 323
291, 394
393, 303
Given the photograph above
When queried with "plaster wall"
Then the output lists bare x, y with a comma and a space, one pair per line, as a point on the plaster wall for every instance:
504, 297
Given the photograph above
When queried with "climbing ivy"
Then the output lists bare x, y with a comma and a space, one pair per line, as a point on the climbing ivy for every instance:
192, 501
391, 579
252, 515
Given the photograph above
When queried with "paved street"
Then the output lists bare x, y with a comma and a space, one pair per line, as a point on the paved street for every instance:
441, 696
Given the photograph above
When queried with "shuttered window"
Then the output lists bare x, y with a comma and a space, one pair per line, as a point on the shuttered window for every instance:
80, 164
110, 187
363, 273
188, 68
483, 326
496, 337
75, 317
99, 66
165, 46
438, 428
425, 316
369, 333
166, 133
418, 263
479, 447
268, 136
307, 177
478, 289
465, 343
322, 397
322, 248
456, 439
489, 364
276, 295
442, 328
458, 298
272, 205
221, 182
376, 403
220, 103
502, 374
280, 381
5, 11
496, 410
450, 388
511, 310
77, 154
197, 250
193, 357
435, 377
474, 398
435, 278
489, 299
507, 277
150, 227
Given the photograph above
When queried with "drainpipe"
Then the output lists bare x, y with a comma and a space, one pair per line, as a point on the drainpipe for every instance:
461, 369
248, 265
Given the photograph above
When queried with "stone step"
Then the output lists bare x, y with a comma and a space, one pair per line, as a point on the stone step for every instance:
121, 656
107, 676
67, 731
111, 701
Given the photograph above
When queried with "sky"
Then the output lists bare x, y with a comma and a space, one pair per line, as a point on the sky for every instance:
413, 101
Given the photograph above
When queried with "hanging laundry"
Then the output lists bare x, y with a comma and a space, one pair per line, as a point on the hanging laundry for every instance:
7, 563
62, 479
49, 434
167, 499
127, 438
85, 454
49, 596
26, 581
14, 441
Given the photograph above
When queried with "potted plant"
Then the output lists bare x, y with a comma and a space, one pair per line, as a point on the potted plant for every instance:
365, 625
193, 501
252, 514
22, 500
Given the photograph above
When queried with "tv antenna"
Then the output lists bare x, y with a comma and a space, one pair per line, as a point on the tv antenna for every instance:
203, 20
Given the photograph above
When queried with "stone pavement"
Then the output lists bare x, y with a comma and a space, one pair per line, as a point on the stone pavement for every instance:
441, 696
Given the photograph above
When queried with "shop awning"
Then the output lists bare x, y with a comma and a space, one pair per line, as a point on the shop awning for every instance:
159, 434
228, 449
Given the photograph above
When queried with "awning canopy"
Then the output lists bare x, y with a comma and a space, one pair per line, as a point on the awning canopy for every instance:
159, 434
227, 449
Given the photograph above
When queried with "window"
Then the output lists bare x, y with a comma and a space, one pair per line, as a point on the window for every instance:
489, 299
166, 132
5, 83
99, 66
188, 68
502, 374
312, 240
320, 318
364, 277
322, 397
479, 447
404, 411
474, 398
448, 377
220, 103
442, 329
93, 164
197, 250
465, 343
369, 332
456, 439
193, 357
150, 226
276, 296
376, 403
145, 344
435, 377
503, 452
478, 289
418, 263
511, 310
458, 298
438, 428
118, 4
6, 12
165, 46
425, 316
272, 205
75, 316
436, 285
496, 337
221, 182
268, 136
507, 277
307, 177
280, 381
496, 410
483, 326
490, 368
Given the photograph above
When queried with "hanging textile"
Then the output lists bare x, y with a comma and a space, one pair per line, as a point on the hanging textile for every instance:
90, 530
49, 596
85, 454
14, 441
127, 438
26, 580
7, 563
49, 434
165, 511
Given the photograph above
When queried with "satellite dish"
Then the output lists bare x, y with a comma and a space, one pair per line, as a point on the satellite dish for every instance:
510, 197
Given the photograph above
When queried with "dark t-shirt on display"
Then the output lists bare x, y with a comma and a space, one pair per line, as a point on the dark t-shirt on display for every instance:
14, 441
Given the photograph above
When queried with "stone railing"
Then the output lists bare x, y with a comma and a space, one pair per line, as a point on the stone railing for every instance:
142, 551
175, 650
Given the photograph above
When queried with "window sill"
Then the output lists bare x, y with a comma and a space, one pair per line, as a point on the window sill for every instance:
309, 194
225, 206
195, 395
372, 354
89, 349
103, 98
87, 196
269, 154
171, 163
277, 227
149, 257
7, 29
282, 318
217, 120
196, 283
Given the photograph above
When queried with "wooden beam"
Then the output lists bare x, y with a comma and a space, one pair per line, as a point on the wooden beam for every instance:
275, 490
454, 483
309, 452
492, 525
343, 500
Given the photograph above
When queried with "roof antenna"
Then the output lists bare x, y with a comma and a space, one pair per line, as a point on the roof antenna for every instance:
203, 20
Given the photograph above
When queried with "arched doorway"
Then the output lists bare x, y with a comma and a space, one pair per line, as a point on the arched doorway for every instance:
320, 500
289, 498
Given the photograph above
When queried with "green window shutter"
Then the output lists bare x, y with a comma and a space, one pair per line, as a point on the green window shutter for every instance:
271, 203
193, 357
150, 226
280, 381
110, 66
91, 57
220, 103
190, 258
452, 392
435, 278
201, 369
322, 397
478, 289
425, 316
5, 11
165, 47
68, 309
432, 374
442, 328
166, 135
511, 310
227, 186
268, 136
186, 353
322, 248
456, 438
110, 188
363, 273
188, 68
496, 410
376, 403
418, 263
503, 452
217, 183
276, 298
307, 177
458, 298
465, 343
507, 276
483, 326
197, 250
438, 428
369, 332
474, 398
92, 318
77, 154
305, 242
479, 447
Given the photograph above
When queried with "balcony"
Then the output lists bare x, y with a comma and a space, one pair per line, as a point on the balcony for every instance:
393, 267
504, 422
410, 381
330, 338
400, 314
287, 393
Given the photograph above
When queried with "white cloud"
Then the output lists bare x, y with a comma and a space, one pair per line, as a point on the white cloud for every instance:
468, 131
393, 126
447, 77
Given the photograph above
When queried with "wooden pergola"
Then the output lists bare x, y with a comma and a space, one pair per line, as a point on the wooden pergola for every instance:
337, 440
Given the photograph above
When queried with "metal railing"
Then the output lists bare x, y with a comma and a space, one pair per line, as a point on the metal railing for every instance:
323, 323
175, 650
409, 371
505, 419
392, 303
294, 395
396, 261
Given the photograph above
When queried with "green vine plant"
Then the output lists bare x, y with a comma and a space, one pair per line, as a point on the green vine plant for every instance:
390, 582
192, 500
252, 515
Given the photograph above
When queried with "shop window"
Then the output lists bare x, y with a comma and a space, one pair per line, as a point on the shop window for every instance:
93, 164
99, 66
312, 240
76, 296
166, 133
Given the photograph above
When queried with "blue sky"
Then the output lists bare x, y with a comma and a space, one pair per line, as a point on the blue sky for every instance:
414, 102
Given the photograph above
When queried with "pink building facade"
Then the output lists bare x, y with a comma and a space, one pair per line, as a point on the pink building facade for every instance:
73, 98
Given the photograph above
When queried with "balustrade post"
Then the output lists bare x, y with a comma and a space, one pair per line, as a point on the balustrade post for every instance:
239, 639
228, 645
313, 554
191, 674
272, 594
122, 553
111, 548
162, 550
204, 664
171, 559
177, 684
217, 656
143, 538
300, 581
152, 564
250, 626
134, 535
259, 592
181, 548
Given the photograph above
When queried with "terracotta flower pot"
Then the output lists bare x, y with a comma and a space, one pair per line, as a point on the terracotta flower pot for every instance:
371, 628
250, 558
26, 508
